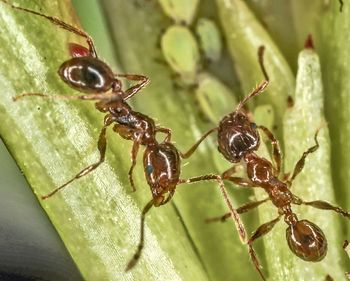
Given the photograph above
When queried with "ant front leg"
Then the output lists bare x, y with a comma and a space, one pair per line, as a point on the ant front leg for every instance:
261, 231
166, 131
195, 146
62, 25
102, 97
137, 254
276, 149
136, 88
102, 144
234, 214
129, 134
134, 151
300, 164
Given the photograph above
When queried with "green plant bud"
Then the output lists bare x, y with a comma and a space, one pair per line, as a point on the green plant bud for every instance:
181, 11
209, 39
180, 50
214, 98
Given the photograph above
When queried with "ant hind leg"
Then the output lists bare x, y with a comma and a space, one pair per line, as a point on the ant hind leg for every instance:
261, 231
323, 205
140, 246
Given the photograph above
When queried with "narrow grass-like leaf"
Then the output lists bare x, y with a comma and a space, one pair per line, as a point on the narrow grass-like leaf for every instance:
51, 140
335, 60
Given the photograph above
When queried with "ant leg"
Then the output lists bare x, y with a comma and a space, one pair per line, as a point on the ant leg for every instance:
300, 164
107, 97
323, 205
166, 131
62, 25
230, 171
134, 89
240, 181
236, 180
261, 87
243, 209
235, 216
134, 151
137, 255
261, 231
101, 145
195, 146
276, 149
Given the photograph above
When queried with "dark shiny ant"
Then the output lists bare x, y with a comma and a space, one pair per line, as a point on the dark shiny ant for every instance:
238, 139
162, 161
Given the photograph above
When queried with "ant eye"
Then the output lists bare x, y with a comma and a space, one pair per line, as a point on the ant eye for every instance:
253, 125
307, 241
149, 169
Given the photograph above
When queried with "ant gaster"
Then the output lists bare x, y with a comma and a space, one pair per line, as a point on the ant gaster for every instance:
238, 139
88, 74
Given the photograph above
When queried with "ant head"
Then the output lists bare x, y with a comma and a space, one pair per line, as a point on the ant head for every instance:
87, 74
307, 241
237, 136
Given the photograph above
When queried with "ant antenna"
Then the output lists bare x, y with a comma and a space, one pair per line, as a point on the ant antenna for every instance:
261, 87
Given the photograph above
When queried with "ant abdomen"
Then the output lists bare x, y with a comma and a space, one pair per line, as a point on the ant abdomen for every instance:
162, 169
87, 74
307, 241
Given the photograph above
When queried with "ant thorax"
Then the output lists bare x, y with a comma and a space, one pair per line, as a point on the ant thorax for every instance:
162, 169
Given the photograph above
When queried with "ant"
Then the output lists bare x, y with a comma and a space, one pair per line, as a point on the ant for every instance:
86, 73
238, 139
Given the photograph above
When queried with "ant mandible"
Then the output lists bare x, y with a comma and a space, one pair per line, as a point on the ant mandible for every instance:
162, 165
238, 139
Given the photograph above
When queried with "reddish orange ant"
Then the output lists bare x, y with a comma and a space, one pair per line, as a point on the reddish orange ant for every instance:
238, 139
88, 74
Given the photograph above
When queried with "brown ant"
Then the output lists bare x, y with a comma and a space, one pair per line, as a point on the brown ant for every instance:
238, 139
86, 73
